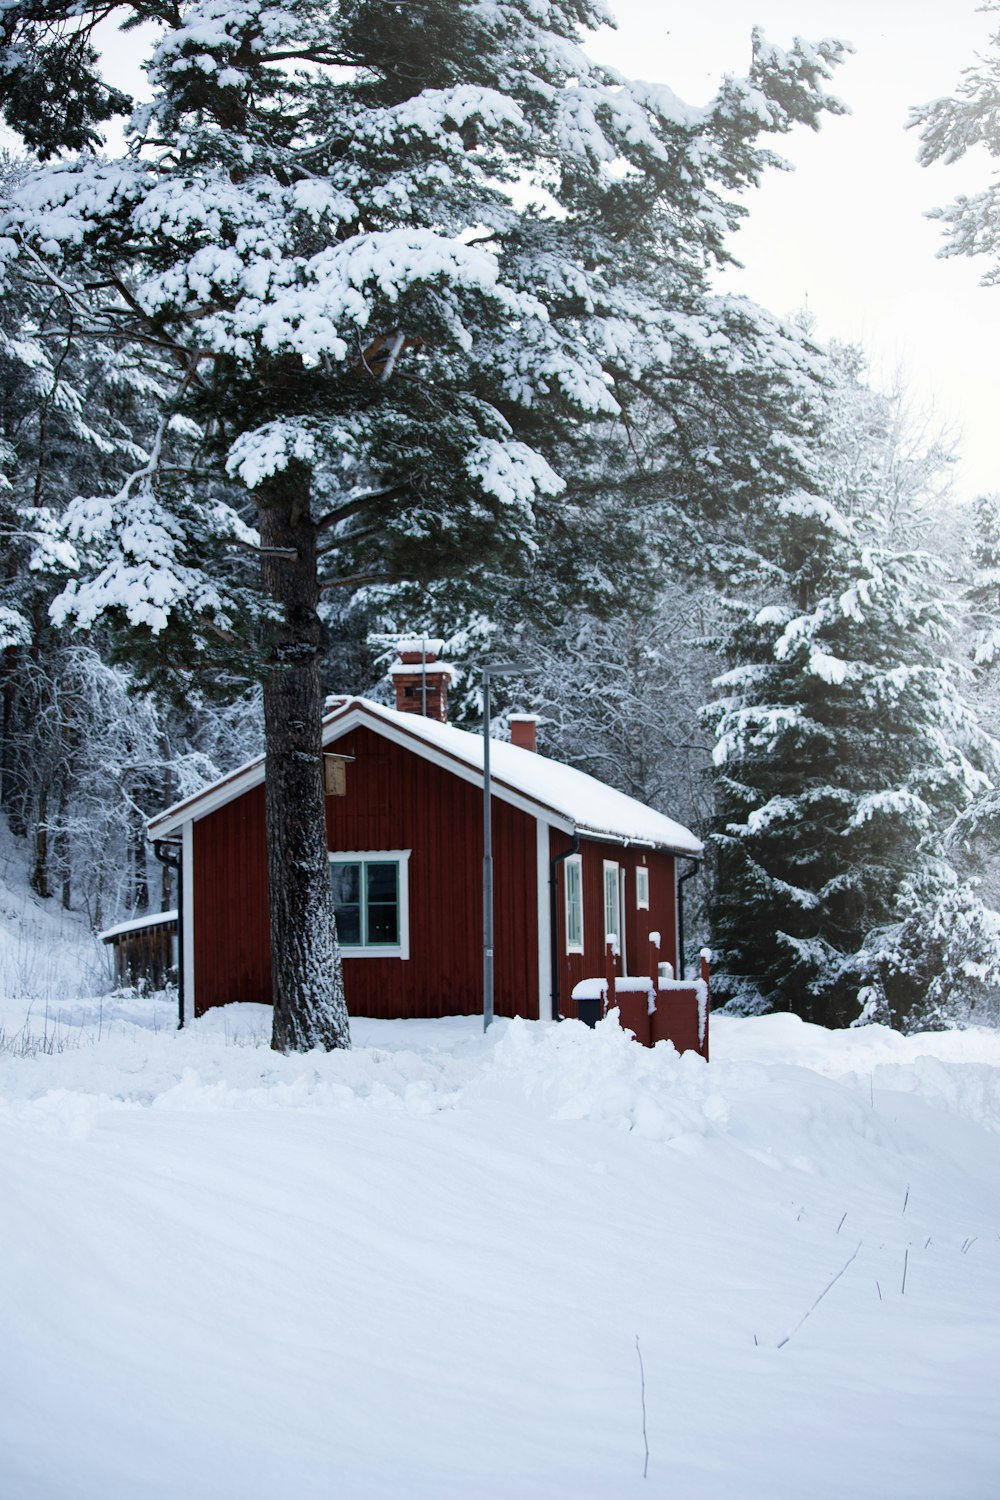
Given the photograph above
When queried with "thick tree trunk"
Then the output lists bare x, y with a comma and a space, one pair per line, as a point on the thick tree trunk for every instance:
307, 978
13, 793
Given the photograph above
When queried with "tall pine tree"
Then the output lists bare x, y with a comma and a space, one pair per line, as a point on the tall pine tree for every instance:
393, 252
844, 746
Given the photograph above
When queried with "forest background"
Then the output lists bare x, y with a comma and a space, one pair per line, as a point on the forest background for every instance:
747, 593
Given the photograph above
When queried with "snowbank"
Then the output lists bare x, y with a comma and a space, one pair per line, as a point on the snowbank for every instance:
420, 1268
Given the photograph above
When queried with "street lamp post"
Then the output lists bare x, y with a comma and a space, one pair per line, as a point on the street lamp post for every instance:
491, 670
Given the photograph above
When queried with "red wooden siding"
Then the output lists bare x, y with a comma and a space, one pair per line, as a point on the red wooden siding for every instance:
395, 800
641, 955
232, 957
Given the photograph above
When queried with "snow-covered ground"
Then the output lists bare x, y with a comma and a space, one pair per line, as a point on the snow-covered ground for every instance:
45, 953
421, 1269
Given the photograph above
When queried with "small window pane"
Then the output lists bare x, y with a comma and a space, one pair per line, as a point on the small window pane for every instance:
383, 902
349, 926
611, 901
346, 882
642, 888
574, 904
383, 924
382, 881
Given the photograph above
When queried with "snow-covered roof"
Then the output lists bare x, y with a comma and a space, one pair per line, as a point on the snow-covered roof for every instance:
137, 924
569, 798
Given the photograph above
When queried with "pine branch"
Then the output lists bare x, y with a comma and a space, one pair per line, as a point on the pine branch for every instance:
281, 554
363, 534
358, 504
355, 580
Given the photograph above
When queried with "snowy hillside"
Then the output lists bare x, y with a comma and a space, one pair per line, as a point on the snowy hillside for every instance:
420, 1269
46, 954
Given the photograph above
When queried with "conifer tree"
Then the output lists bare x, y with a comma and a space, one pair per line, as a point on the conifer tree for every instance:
982, 593
845, 750
974, 838
392, 251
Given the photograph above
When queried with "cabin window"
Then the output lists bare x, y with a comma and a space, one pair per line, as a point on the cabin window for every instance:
573, 868
612, 908
642, 888
371, 900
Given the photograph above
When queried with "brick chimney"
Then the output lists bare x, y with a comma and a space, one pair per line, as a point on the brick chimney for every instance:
420, 678
522, 730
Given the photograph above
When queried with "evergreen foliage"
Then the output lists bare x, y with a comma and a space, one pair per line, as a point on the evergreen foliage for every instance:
83, 758
950, 127
938, 963
845, 750
982, 593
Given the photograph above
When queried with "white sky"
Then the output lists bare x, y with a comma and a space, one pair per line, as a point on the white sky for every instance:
845, 233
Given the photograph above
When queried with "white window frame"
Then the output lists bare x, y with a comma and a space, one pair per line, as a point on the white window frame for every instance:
574, 862
611, 883
401, 857
642, 888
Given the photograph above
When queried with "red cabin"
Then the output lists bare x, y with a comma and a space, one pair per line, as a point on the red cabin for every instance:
576, 865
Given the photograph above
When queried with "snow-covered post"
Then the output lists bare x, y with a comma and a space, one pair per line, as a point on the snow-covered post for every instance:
704, 1001
609, 969
493, 669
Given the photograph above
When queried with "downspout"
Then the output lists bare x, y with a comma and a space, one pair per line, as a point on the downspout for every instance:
554, 864
695, 867
622, 919
173, 861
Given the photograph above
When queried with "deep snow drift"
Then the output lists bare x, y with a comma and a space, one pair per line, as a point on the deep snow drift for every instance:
419, 1269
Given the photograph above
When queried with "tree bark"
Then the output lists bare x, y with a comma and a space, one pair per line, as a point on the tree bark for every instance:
307, 977
62, 858
13, 794
40, 870
140, 868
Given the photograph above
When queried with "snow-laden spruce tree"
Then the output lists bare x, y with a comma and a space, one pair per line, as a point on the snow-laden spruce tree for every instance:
974, 839
845, 750
391, 250
982, 593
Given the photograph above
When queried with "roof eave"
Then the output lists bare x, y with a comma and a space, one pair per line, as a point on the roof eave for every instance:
602, 836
